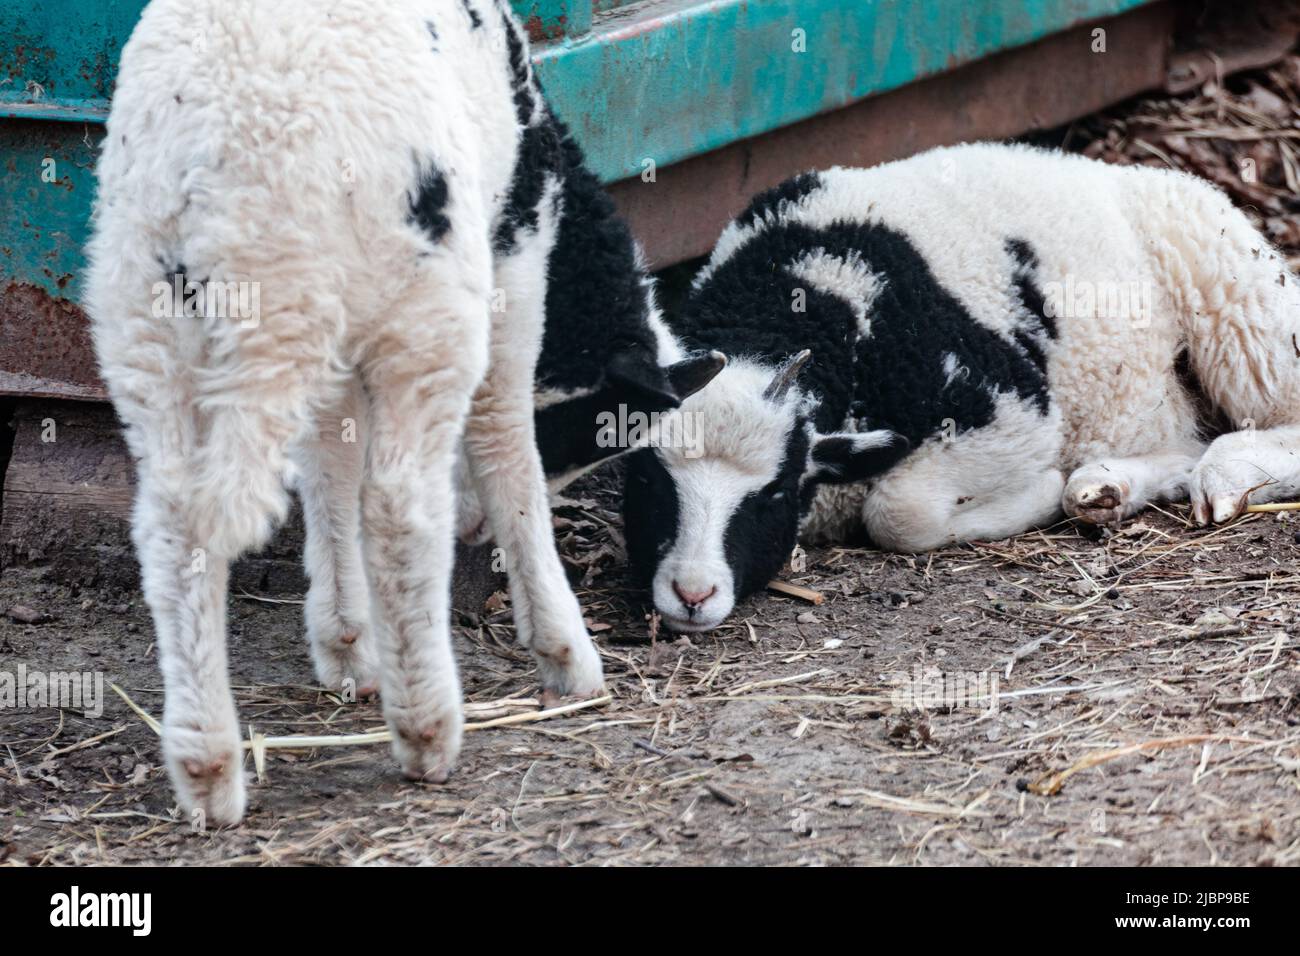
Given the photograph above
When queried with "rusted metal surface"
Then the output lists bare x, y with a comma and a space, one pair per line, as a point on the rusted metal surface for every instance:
61, 54
680, 214
45, 347
46, 176
553, 19
47, 185
1223, 38
58, 58
663, 80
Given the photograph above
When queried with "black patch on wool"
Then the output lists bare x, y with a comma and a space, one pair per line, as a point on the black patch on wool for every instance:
540, 158
1033, 303
771, 202
429, 202
178, 278
567, 431
475, 21
519, 75
1025, 277
1211, 420
761, 532
650, 513
596, 310
892, 379
841, 461
433, 32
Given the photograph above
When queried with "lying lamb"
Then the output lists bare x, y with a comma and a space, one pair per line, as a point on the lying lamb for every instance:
998, 334
390, 181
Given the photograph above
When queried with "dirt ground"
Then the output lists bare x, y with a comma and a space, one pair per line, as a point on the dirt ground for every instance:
1110, 699
1165, 655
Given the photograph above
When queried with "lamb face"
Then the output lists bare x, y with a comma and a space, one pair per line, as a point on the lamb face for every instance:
712, 522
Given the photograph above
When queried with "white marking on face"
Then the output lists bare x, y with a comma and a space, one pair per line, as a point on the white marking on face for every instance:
546, 397
743, 439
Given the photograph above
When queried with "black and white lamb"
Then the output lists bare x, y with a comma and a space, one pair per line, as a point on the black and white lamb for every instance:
998, 335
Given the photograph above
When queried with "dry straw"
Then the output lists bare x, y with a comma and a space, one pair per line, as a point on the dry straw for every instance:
495, 712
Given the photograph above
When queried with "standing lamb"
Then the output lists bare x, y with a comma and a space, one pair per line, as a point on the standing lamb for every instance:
388, 182
998, 334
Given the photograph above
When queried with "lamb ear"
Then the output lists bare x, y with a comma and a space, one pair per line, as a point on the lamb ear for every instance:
647, 387
694, 372
846, 457
656, 388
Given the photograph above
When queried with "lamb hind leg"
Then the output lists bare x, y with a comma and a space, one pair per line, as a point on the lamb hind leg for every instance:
921, 512
185, 588
185, 535
1245, 467
419, 376
337, 610
1108, 491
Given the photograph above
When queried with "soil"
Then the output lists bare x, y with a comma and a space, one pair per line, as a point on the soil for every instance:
796, 734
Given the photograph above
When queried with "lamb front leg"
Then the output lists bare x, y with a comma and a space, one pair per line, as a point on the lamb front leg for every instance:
1245, 467
502, 448
1108, 491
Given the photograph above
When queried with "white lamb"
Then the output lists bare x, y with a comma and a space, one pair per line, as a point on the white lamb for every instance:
378, 175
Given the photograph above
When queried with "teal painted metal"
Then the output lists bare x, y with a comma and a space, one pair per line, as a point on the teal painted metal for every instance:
58, 57
548, 19
46, 185
697, 76
659, 80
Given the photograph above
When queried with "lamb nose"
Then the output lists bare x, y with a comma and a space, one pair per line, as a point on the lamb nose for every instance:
694, 600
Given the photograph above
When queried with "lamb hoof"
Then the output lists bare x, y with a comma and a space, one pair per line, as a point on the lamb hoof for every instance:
426, 741
1097, 503
206, 771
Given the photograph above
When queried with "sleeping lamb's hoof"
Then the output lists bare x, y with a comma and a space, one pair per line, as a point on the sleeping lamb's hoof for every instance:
1225, 477
1095, 500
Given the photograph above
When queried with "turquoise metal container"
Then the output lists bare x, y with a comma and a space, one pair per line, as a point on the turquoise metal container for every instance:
641, 84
